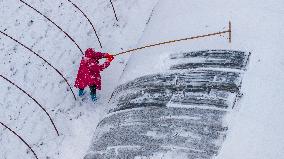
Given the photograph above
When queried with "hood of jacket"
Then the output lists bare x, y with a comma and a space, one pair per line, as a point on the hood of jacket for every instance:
90, 53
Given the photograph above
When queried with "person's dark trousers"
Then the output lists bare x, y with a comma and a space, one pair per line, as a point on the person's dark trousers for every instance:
93, 92
81, 92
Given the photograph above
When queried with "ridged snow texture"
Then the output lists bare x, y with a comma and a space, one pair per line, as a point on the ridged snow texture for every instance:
179, 112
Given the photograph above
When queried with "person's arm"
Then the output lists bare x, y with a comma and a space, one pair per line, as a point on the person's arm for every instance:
107, 62
100, 55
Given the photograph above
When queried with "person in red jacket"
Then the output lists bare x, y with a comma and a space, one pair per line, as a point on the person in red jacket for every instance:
89, 71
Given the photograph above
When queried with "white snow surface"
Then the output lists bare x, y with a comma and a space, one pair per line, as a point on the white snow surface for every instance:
256, 126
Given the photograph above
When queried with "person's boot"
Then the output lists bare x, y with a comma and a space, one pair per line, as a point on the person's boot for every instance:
81, 92
94, 97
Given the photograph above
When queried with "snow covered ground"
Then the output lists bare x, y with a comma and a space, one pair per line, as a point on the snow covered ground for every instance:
256, 128
75, 120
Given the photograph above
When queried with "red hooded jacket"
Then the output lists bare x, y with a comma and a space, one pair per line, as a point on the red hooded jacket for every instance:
89, 70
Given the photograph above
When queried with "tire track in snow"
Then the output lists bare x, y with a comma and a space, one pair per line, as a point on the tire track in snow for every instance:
52, 122
92, 25
28, 5
43, 60
4, 125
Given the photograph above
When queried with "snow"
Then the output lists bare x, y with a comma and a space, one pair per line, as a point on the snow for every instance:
256, 129
76, 121
255, 126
